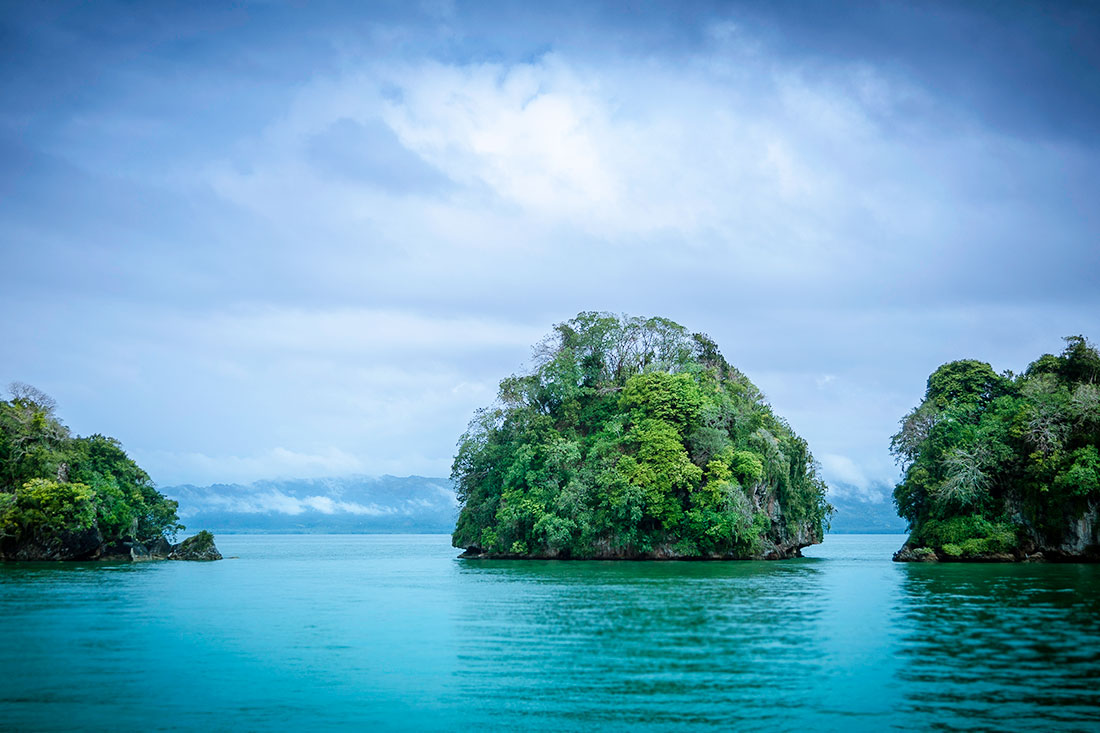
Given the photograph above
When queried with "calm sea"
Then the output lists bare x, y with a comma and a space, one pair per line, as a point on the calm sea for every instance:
385, 632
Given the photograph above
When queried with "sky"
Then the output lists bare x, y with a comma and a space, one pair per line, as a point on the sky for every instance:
259, 239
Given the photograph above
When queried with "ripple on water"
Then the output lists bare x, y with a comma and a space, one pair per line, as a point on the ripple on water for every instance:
394, 633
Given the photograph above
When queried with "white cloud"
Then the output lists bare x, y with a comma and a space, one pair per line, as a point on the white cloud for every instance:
353, 331
806, 217
843, 469
277, 462
276, 502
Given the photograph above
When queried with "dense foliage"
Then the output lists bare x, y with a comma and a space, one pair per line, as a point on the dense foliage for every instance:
53, 483
632, 437
999, 463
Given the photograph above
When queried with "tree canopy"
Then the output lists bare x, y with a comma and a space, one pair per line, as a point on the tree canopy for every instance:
632, 437
51, 481
999, 463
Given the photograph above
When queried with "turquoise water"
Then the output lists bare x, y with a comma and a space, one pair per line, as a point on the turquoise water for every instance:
394, 633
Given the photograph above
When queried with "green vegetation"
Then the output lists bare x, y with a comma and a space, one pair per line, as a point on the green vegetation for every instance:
199, 547
1000, 464
53, 485
631, 437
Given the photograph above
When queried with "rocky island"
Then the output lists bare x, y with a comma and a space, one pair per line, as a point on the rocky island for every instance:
74, 498
1003, 467
631, 438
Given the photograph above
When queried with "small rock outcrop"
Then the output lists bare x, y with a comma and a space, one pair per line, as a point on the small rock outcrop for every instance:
200, 547
909, 553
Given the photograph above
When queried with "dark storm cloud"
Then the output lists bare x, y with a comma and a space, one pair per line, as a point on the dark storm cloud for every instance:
1025, 68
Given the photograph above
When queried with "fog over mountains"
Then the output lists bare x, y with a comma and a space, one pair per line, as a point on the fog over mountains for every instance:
864, 510
348, 504
356, 504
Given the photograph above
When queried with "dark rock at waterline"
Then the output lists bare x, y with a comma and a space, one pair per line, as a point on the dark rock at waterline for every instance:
789, 547
46, 545
88, 544
782, 541
1076, 540
119, 551
908, 553
160, 548
200, 547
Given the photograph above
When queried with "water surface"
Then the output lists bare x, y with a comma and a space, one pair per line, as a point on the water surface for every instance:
394, 633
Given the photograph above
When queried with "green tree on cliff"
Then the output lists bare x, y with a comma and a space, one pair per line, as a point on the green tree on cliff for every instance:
51, 481
632, 437
997, 463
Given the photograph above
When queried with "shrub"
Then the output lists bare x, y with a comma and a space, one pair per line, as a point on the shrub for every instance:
50, 505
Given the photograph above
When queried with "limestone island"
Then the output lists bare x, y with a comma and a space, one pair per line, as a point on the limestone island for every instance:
73, 498
631, 438
1004, 467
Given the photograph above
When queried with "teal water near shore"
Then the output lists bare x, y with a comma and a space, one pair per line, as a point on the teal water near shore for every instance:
392, 632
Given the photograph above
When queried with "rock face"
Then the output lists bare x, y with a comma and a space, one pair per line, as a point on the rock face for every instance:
43, 546
1080, 537
160, 548
200, 547
90, 545
911, 553
782, 541
1078, 541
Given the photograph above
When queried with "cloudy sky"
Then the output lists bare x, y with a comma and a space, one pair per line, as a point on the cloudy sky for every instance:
261, 239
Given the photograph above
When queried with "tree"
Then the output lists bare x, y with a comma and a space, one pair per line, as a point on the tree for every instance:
993, 461
966, 381
52, 482
631, 436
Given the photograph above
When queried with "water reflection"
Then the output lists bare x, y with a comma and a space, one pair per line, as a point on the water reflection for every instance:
572, 644
394, 633
1001, 647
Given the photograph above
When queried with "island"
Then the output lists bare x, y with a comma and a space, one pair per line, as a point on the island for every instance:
79, 498
631, 438
1004, 467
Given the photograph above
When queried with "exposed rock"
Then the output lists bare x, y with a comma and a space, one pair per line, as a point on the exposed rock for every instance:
1077, 541
780, 546
139, 553
125, 550
913, 553
1081, 536
908, 553
160, 548
199, 547
89, 545
1059, 554
114, 552
782, 541
44, 545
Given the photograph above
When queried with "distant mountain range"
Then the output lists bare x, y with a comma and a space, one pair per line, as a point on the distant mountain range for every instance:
351, 504
414, 504
864, 510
